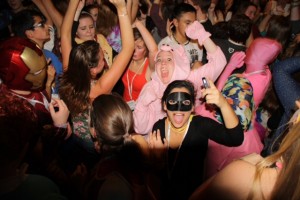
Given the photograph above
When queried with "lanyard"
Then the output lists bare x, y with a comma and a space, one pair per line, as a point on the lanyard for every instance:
131, 84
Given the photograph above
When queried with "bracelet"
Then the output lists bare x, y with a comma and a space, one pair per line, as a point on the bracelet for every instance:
123, 14
65, 125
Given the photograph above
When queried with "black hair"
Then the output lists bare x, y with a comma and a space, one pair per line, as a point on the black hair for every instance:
181, 9
239, 28
179, 84
203, 4
244, 6
279, 29
23, 21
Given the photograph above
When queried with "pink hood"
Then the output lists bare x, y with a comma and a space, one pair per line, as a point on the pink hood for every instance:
261, 52
181, 68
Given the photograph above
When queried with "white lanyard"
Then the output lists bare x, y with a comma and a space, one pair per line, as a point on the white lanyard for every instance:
168, 140
255, 72
131, 84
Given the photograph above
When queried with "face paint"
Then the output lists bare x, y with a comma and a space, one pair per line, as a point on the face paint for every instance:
179, 101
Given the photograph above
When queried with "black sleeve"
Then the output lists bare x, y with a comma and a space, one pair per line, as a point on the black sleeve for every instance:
74, 30
220, 134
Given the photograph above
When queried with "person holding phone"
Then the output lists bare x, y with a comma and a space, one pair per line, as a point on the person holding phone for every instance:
182, 138
172, 63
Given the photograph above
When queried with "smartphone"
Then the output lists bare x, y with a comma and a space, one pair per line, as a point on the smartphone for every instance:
205, 83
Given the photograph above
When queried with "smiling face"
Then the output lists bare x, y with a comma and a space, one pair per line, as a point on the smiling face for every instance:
164, 66
179, 106
86, 29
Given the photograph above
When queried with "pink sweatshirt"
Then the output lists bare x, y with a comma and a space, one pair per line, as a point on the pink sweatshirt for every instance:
148, 109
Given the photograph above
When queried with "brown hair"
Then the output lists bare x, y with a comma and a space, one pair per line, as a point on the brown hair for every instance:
113, 121
75, 84
288, 181
107, 19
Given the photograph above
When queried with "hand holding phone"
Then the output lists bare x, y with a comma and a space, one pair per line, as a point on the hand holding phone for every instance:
205, 83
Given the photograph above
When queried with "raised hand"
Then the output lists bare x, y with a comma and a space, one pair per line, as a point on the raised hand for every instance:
196, 31
81, 4
213, 96
236, 61
59, 117
156, 146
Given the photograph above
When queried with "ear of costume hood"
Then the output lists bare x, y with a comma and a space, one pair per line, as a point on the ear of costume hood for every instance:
261, 52
18, 57
181, 69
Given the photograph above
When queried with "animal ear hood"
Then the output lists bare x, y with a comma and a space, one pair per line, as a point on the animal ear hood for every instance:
181, 69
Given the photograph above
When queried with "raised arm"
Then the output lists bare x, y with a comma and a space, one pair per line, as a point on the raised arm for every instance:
215, 56
43, 10
66, 32
132, 9
149, 41
107, 81
56, 17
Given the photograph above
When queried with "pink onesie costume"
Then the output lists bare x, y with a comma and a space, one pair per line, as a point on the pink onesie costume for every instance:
261, 52
148, 109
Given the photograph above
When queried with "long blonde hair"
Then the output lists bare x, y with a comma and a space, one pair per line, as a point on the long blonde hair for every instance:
288, 181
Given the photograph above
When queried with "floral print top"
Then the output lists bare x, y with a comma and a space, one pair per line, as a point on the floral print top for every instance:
81, 130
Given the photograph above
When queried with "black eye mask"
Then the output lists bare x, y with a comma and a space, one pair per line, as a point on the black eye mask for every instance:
178, 98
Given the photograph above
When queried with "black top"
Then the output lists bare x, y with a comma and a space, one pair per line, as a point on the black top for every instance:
187, 173
229, 48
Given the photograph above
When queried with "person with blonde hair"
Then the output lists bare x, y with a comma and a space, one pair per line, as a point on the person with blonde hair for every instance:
254, 177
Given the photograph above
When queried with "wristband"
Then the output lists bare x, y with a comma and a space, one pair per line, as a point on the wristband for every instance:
123, 14
65, 125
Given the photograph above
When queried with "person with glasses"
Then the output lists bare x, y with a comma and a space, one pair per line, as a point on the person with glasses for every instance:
32, 25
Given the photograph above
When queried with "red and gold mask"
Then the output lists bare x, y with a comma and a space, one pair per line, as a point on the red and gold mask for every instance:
23, 65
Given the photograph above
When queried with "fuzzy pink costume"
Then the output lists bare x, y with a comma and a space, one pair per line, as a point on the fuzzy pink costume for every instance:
148, 109
260, 53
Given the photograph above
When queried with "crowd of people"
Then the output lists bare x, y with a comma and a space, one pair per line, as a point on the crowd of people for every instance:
149, 99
